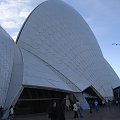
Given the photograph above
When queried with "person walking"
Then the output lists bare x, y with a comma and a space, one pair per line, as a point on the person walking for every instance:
91, 106
11, 113
75, 109
52, 113
96, 105
67, 103
60, 109
1, 112
79, 109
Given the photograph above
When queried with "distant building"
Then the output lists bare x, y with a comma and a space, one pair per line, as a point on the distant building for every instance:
56, 54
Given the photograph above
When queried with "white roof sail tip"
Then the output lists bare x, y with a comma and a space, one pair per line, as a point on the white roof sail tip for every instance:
7, 50
42, 2
3, 33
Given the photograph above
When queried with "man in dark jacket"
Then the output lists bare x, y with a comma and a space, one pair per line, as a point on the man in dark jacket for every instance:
1, 112
60, 110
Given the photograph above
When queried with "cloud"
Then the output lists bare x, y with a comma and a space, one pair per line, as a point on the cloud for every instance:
12, 24
23, 13
13, 9
11, 15
14, 12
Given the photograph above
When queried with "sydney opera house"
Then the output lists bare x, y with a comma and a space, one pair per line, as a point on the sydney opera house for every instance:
55, 55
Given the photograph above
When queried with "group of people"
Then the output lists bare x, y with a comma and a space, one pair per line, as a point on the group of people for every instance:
11, 112
77, 109
56, 110
95, 104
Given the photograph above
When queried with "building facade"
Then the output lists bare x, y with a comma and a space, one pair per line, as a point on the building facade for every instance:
55, 54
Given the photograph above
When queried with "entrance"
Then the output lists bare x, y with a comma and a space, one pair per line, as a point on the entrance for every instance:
34, 100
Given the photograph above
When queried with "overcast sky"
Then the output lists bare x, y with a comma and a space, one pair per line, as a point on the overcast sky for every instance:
102, 16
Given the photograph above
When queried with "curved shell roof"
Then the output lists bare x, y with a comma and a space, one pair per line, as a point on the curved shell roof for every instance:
6, 63
58, 35
10, 69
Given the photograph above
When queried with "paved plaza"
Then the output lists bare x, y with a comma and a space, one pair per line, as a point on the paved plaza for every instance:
104, 113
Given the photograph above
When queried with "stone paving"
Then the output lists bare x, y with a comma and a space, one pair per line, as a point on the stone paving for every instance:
104, 113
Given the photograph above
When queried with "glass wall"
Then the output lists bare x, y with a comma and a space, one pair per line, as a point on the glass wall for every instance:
34, 100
